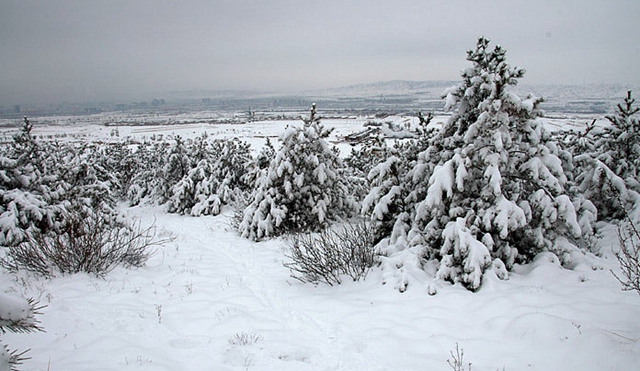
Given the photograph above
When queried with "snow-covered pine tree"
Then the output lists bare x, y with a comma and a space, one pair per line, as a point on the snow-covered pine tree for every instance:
398, 181
266, 155
607, 169
233, 160
25, 188
199, 149
183, 193
147, 183
88, 185
254, 169
361, 161
215, 179
122, 161
385, 202
195, 161
496, 191
176, 166
16, 315
26, 147
302, 189
573, 145
620, 141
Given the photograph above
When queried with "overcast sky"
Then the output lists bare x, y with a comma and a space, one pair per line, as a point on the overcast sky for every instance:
81, 50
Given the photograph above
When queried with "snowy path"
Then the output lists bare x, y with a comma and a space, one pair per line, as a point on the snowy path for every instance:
209, 288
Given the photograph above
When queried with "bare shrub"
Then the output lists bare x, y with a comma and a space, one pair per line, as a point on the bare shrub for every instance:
456, 362
629, 256
91, 242
243, 338
332, 254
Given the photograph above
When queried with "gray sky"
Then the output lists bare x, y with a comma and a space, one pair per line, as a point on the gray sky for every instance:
82, 50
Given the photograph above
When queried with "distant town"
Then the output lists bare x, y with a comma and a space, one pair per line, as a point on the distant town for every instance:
397, 97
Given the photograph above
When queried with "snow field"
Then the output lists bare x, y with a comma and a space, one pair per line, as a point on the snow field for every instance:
254, 133
210, 300
192, 125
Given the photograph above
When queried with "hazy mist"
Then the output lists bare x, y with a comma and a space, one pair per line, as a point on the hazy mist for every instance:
77, 50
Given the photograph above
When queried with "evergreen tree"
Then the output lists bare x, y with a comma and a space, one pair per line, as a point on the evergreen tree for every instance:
27, 191
496, 186
88, 183
199, 149
148, 181
266, 155
398, 182
214, 181
620, 142
302, 189
122, 161
16, 315
607, 162
385, 203
361, 161
176, 167
39, 182
254, 169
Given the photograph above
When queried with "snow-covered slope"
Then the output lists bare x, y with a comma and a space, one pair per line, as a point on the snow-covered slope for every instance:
211, 300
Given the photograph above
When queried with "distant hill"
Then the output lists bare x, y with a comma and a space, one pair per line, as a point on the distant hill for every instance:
588, 98
427, 89
434, 89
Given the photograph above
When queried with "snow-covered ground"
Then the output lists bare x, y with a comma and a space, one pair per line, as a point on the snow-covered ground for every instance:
120, 126
210, 300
